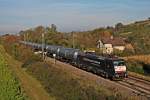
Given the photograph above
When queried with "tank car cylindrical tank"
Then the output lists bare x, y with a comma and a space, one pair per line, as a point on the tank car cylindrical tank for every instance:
52, 50
68, 54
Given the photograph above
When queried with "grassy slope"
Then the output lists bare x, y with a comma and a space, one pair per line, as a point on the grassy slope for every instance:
68, 83
138, 34
31, 86
140, 58
9, 86
134, 63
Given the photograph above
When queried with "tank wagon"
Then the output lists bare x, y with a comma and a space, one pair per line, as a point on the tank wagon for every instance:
109, 67
68, 54
34, 46
51, 49
64, 54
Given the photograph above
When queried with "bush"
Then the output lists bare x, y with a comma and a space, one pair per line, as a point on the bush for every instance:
9, 86
62, 85
135, 66
32, 59
146, 68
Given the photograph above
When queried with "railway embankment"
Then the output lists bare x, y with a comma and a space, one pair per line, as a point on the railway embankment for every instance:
63, 81
12, 90
67, 82
139, 64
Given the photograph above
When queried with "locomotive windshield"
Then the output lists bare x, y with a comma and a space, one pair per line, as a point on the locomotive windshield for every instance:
119, 66
119, 63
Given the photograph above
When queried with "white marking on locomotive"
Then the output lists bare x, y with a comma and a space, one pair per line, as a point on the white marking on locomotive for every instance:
120, 68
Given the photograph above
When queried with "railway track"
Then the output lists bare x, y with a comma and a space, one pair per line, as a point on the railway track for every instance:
140, 80
137, 85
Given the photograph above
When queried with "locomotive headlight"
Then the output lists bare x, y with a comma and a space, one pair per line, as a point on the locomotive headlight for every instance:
116, 75
115, 67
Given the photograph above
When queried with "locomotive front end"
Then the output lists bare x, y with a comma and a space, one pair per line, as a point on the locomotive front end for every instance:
120, 69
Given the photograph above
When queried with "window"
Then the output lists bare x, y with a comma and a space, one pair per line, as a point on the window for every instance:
119, 63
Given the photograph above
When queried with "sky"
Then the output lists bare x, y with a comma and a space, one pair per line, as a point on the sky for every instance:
69, 15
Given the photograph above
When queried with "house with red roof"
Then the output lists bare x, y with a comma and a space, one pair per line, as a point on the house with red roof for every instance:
108, 44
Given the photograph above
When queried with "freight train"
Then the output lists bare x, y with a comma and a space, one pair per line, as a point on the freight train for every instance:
108, 67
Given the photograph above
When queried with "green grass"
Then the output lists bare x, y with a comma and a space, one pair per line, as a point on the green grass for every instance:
9, 86
135, 66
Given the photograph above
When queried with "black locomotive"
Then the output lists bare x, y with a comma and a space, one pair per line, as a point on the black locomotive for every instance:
113, 67
109, 67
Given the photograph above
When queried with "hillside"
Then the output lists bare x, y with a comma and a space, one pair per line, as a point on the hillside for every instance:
75, 83
138, 34
9, 86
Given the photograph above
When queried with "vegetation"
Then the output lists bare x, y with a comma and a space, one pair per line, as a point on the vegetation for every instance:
20, 52
139, 58
135, 66
137, 34
53, 37
71, 88
60, 83
65, 86
9, 86
30, 85
139, 64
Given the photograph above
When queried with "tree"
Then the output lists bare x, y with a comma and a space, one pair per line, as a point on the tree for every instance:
118, 25
53, 28
106, 34
48, 30
39, 30
109, 27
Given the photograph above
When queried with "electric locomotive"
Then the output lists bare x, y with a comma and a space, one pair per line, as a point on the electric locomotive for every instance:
113, 67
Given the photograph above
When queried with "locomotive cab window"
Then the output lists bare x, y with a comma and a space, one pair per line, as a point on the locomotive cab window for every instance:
119, 63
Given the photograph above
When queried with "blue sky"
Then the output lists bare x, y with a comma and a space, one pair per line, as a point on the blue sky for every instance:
69, 15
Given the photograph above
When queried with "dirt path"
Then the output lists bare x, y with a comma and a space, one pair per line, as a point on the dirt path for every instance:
30, 85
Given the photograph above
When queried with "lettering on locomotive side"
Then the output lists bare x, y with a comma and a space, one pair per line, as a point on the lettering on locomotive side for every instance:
92, 61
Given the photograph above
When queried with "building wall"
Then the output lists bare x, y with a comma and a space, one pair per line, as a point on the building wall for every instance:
100, 44
119, 47
108, 48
